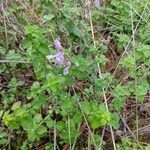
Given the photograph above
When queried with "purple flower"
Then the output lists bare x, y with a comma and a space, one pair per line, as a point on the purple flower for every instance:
57, 45
66, 71
59, 58
97, 2
68, 65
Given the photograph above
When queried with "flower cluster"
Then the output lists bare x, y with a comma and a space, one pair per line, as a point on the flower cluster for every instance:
59, 57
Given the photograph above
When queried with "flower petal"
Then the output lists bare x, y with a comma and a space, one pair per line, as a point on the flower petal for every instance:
59, 58
66, 71
49, 57
57, 45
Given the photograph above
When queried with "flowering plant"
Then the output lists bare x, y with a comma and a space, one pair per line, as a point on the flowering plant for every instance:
59, 57
72, 70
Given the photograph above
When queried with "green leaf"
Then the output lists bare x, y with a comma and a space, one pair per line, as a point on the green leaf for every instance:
142, 53
42, 130
12, 55
3, 134
105, 117
67, 106
16, 105
128, 62
30, 29
123, 39
118, 103
3, 141
48, 17
26, 122
120, 91
54, 81
60, 125
146, 53
24, 146
97, 138
94, 121
7, 118
101, 59
1, 113
32, 135
114, 120
37, 118
49, 122
98, 118
20, 112
86, 107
